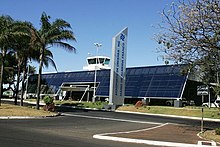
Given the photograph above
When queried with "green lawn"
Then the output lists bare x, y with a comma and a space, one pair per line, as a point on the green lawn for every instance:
185, 111
98, 104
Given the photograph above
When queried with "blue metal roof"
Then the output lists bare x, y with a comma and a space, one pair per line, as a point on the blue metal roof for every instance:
151, 81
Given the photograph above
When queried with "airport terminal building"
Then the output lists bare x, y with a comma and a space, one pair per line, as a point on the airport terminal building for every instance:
154, 83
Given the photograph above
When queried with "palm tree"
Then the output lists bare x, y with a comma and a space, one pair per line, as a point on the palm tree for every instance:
21, 46
8, 34
24, 50
49, 35
21, 52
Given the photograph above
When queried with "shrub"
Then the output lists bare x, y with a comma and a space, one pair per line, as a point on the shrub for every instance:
217, 131
139, 104
48, 100
98, 102
49, 103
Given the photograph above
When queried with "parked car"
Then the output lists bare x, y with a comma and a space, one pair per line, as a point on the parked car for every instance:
8, 94
214, 104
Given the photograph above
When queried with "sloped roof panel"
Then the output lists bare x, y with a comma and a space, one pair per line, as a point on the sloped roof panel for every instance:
152, 81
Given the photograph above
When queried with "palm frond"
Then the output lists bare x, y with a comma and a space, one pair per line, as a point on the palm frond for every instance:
65, 46
47, 61
48, 53
61, 24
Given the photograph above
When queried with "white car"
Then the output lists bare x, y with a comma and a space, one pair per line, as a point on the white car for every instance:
184, 102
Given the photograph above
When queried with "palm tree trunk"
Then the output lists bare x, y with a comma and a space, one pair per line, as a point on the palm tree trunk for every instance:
1, 81
1, 78
2, 73
39, 79
22, 84
17, 85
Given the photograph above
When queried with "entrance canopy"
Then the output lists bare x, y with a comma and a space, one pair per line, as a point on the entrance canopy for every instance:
75, 86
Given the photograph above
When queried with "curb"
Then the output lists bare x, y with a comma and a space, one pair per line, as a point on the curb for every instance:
148, 142
21, 117
29, 117
214, 143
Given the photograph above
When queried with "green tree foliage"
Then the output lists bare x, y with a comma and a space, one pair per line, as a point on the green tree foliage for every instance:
48, 100
51, 34
8, 33
9, 69
190, 34
24, 43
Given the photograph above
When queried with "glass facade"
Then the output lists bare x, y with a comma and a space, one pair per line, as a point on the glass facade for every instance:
154, 81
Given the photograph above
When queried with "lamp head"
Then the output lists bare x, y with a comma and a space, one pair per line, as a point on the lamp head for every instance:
97, 44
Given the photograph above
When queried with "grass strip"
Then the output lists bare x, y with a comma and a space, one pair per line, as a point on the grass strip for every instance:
14, 110
185, 111
210, 135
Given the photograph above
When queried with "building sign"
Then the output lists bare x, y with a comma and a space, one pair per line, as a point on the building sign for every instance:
202, 90
118, 68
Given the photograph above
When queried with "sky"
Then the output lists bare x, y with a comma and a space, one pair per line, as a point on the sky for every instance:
97, 21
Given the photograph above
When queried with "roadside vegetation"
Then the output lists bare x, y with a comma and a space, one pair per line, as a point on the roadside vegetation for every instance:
191, 111
211, 135
97, 104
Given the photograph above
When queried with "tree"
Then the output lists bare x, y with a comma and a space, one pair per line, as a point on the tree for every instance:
190, 34
51, 34
23, 51
8, 34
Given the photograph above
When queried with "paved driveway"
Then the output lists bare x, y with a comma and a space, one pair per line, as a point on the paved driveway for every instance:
65, 131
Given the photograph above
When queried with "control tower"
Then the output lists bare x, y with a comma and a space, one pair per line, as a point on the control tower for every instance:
97, 63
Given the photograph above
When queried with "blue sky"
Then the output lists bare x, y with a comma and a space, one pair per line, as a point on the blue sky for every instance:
97, 21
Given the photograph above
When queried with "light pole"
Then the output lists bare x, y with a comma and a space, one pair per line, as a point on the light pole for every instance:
94, 91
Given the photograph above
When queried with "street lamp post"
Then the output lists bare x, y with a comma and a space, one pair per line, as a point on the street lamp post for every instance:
94, 91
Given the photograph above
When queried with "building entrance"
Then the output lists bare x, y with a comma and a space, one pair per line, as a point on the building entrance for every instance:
77, 91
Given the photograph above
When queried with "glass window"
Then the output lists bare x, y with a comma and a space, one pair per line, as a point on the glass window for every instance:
91, 61
100, 60
107, 61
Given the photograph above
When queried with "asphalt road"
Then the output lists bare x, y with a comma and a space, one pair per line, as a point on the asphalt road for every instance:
148, 118
77, 127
